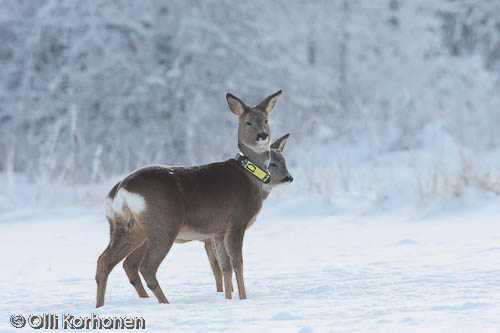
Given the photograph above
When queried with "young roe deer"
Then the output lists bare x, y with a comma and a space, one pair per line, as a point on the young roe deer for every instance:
217, 201
279, 175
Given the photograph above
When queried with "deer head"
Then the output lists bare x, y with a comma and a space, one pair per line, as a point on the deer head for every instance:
253, 128
277, 166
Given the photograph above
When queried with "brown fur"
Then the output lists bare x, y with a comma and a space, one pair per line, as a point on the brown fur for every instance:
215, 201
279, 175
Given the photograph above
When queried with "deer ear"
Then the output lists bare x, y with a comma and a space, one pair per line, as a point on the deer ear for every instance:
267, 105
280, 143
235, 104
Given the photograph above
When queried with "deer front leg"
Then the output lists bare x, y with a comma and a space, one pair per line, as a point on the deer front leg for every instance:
225, 264
234, 246
214, 265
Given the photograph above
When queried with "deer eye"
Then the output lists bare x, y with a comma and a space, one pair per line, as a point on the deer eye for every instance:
249, 123
265, 121
272, 165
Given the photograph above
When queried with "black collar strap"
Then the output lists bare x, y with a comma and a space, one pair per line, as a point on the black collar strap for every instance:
248, 165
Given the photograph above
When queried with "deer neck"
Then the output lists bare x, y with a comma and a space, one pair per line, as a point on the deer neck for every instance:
258, 157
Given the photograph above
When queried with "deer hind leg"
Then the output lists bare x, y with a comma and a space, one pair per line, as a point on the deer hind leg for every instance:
234, 244
156, 250
125, 239
214, 265
131, 267
111, 231
225, 265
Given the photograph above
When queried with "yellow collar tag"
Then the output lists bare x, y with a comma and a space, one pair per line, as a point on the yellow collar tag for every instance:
253, 169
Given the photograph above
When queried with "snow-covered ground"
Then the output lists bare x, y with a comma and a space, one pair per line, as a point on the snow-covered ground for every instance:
308, 268
391, 222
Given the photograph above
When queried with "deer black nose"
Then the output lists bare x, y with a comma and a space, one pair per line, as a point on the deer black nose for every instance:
288, 179
262, 136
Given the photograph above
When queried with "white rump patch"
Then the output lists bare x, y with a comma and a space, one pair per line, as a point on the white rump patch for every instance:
108, 207
133, 201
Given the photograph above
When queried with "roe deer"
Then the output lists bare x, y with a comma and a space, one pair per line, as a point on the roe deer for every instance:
279, 175
217, 201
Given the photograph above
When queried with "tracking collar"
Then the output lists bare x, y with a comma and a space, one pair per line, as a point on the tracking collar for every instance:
248, 165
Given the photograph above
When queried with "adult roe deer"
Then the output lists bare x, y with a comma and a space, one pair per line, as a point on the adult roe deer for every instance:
217, 201
279, 175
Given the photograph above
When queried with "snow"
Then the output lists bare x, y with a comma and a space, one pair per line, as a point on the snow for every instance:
310, 265
390, 223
